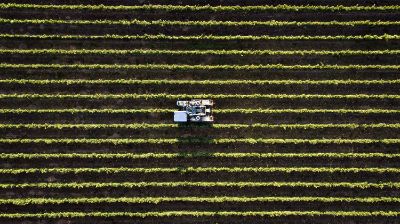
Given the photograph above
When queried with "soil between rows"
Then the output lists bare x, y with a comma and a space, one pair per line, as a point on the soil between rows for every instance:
26, 43
199, 88
201, 74
206, 220
366, 103
202, 206
203, 59
96, 29
210, 132
187, 161
282, 118
203, 176
193, 148
197, 191
197, 15
207, 2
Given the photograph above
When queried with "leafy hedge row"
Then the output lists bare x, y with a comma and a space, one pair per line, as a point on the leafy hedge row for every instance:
198, 37
219, 199
200, 82
115, 170
197, 67
203, 214
215, 126
317, 185
271, 23
197, 96
197, 52
221, 111
182, 8
190, 155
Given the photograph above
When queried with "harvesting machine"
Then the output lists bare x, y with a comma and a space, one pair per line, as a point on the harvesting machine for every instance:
196, 111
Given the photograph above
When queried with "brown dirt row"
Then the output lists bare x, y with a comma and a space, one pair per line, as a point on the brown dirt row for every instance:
270, 74
215, 219
202, 59
290, 118
198, 192
206, 176
221, 118
195, 30
8, 88
221, 16
207, 220
223, 220
210, 2
201, 131
25, 43
187, 161
31, 103
201, 206
193, 148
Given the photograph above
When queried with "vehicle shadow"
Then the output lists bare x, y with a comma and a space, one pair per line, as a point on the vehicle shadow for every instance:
196, 141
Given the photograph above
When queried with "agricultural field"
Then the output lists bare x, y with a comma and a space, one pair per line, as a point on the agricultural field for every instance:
307, 114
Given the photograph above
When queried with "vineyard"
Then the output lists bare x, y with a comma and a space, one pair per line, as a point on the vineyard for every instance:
307, 111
